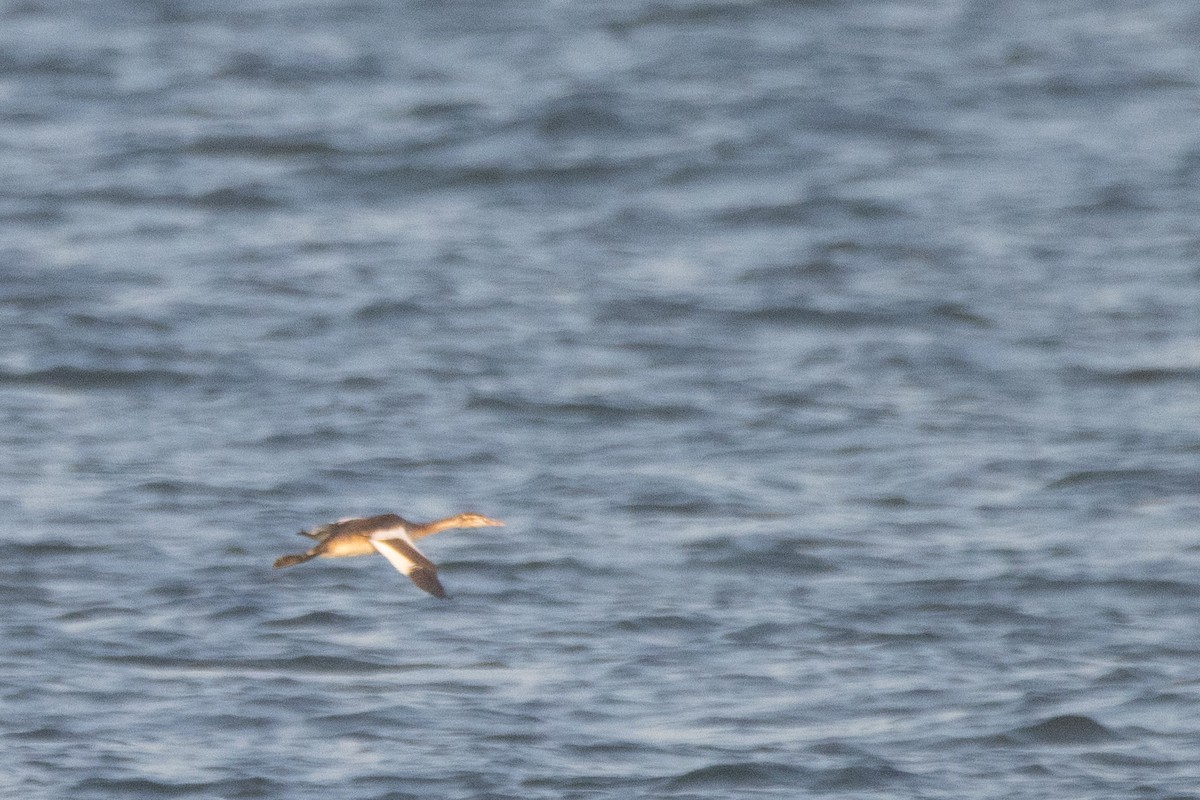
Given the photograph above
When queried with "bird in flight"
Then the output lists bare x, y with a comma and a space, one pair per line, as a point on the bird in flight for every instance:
391, 536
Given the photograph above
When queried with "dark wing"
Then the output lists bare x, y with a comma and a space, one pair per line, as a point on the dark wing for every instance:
363, 525
410, 561
427, 579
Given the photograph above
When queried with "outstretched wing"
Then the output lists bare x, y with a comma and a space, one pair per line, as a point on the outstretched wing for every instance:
409, 561
363, 525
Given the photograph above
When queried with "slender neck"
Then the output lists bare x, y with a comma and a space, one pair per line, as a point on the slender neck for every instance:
423, 529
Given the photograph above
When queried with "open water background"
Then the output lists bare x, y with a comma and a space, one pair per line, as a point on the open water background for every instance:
836, 366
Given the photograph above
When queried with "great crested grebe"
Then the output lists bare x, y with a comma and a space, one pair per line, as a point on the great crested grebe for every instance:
390, 536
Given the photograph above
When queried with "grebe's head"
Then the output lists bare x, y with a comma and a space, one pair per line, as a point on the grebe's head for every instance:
475, 521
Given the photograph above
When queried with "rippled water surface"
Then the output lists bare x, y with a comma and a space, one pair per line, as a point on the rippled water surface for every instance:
835, 366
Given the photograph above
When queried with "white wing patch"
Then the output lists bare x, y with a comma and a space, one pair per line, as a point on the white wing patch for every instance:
398, 559
383, 534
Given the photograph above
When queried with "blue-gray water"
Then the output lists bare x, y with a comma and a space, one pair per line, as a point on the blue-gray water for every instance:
835, 365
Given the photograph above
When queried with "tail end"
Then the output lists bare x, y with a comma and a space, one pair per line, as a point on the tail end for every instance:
291, 560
